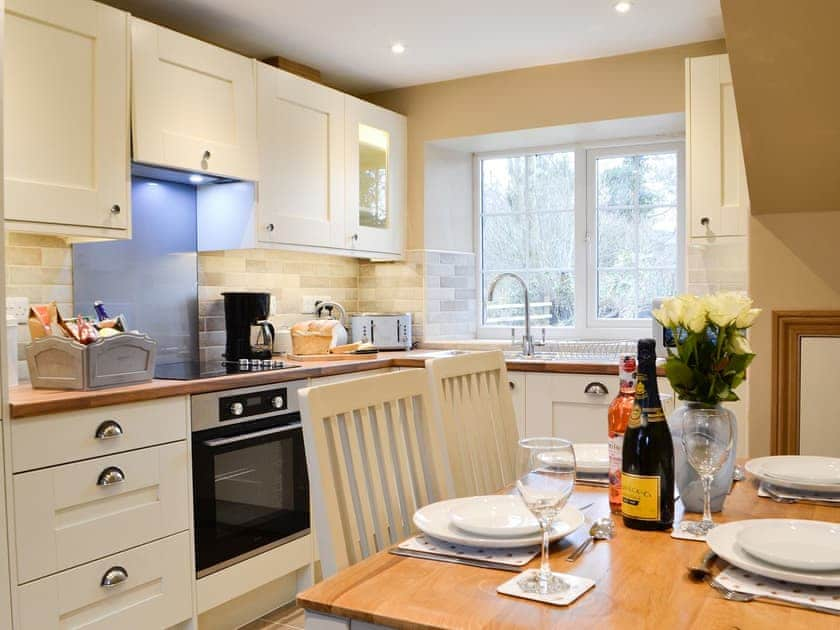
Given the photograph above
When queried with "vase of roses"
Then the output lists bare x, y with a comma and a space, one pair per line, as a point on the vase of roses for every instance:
707, 363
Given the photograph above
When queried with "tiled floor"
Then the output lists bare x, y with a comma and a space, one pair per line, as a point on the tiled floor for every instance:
285, 618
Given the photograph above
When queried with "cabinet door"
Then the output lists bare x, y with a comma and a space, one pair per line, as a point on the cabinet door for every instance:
717, 183
66, 114
376, 178
517, 393
570, 406
301, 152
193, 104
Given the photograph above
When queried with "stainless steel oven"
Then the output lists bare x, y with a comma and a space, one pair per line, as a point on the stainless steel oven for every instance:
250, 486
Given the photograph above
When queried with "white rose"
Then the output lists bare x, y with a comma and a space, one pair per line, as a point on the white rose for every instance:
661, 316
694, 314
724, 308
747, 317
674, 309
739, 344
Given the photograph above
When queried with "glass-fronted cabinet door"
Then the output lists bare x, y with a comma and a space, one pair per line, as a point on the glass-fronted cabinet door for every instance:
375, 178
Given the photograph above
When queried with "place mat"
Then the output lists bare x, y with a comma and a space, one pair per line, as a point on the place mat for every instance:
745, 582
577, 587
515, 557
797, 494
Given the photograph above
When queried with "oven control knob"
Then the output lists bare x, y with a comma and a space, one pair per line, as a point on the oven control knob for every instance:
277, 402
237, 408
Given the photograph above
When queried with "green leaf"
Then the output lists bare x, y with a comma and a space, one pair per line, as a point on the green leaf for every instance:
679, 374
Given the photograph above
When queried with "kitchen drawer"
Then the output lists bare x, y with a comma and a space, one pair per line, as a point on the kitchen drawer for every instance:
65, 517
71, 436
157, 592
350, 376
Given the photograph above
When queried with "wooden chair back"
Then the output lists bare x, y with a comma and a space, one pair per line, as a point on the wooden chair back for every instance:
475, 407
375, 454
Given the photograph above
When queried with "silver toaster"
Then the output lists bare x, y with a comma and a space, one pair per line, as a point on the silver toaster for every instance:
386, 331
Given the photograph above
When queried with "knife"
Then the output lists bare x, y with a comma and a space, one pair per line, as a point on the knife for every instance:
482, 564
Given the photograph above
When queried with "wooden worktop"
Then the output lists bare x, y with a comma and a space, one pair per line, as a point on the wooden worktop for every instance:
24, 401
640, 582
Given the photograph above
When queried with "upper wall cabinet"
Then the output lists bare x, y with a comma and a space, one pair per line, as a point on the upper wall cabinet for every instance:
718, 203
66, 118
193, 104
301, 154
376, 177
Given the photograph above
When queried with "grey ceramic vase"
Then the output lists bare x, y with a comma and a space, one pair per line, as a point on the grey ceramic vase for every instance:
689, 483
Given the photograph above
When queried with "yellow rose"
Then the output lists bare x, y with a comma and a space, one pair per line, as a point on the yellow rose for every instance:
694, 314
747, 317
739, 344
670, 313
724, 308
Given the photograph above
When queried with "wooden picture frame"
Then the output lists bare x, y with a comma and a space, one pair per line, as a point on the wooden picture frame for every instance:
789, 327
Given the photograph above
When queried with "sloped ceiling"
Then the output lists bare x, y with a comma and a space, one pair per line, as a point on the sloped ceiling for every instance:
785, 60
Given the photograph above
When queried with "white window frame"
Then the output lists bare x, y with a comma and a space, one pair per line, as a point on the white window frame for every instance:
587, 325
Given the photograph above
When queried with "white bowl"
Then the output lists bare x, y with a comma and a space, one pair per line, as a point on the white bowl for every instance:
794, 544
495, 515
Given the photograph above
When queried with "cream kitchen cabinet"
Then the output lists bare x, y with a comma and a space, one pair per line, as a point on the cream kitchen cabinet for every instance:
574, 406
716, 183
66, 120
301, 155
375, 167
193, 104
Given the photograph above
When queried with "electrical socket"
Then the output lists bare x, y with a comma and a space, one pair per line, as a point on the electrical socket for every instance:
17, 307
308, 303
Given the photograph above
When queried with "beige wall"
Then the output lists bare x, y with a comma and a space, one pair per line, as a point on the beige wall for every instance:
638, 84
794, 264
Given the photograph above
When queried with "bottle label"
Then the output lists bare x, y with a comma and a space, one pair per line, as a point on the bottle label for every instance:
640, 496
616, 442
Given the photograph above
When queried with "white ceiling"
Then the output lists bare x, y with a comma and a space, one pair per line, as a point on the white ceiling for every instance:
350, 40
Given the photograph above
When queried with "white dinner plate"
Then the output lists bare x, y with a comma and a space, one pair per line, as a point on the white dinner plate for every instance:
797, 545
723, 540
803, 472
592, 458
434, 520
496, 515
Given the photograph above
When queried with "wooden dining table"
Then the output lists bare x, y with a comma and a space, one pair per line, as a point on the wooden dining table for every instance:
641, 581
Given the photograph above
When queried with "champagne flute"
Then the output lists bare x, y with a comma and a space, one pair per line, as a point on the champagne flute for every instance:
547, 478
707, 438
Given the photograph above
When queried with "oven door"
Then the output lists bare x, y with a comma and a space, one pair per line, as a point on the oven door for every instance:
251, 490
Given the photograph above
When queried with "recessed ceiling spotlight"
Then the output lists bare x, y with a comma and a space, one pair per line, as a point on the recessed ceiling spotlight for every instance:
398, 48
196, 179
623, 6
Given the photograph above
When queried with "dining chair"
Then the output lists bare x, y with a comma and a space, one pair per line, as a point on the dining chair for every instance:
375, 455
472, 395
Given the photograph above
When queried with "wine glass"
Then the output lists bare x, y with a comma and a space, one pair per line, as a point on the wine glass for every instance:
707, 438
547, 478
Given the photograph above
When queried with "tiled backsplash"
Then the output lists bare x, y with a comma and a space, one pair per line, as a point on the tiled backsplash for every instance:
450, 295
718, 264
394, 287
289, 276
39, 268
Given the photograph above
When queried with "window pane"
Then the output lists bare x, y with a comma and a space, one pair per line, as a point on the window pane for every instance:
553, 181
653, 284
552, 240
504, 245
658, 237
617, 238
658, 179
617, 294
616, 181
508, 305
503, 185
552, 296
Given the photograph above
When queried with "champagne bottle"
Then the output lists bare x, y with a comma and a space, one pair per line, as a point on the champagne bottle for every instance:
617, 417
647, 456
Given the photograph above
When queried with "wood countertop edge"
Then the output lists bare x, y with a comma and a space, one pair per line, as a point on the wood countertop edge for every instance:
26, 402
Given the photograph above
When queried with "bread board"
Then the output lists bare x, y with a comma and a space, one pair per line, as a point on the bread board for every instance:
331, 357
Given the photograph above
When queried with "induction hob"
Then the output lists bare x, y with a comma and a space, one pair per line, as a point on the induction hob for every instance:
194, 370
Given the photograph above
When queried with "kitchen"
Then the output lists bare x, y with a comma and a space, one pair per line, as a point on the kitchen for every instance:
270, 226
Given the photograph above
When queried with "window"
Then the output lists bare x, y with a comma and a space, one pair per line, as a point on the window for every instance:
594, 233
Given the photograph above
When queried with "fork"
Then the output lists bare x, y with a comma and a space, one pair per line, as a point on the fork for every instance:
738, 596
780, 499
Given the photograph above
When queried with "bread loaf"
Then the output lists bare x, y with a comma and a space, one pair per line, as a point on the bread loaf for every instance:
314, 336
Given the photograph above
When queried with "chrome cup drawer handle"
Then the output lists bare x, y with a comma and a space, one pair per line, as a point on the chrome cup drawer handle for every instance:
599, 389
113, 577
108, 429
110, 476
